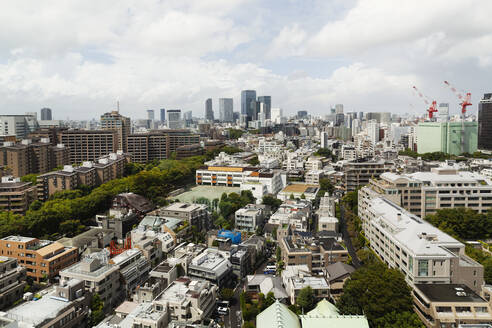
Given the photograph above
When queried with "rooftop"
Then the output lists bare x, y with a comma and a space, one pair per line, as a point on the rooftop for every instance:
300, 188
456, 293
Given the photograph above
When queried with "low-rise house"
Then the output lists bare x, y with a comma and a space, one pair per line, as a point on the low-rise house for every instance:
296, 213
337, 273
264, 283
297, 277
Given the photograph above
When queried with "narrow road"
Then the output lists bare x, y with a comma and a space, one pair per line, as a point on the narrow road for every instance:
347, 240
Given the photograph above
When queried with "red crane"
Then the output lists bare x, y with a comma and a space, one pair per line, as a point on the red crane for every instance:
432, 108
465, 100
114, 249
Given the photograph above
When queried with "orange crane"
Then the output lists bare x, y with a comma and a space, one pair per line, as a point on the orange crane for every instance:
114, 249
432, 108
465, 100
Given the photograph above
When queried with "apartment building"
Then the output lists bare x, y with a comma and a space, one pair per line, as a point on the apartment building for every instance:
211, 265
134, 268
295, 213
29, 157
313, 176
63, 306
314, 251
99, 277
43, 259
423, 193
89, 145
359, 173
422, 252
297, 277
450, 305
12, 281
250, 217
157, 145
196, 215
114, 121
16, 196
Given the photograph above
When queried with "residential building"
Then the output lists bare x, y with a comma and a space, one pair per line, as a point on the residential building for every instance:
195, 214
251, 217
327, 223
211, 265
17, 125
295, 213
189, 151
297, 277
16, 196
422, 252
174, 120
265, 283
157, 145
359, 173
63, 306
43, 259
447, 137
423, 193
313, 177
209, 112
99, 277
448, 305
485, 122
119, 123
240, 259
226, 110
88, 145
46, 114
337, 274
12, 280
315, 252
134, 268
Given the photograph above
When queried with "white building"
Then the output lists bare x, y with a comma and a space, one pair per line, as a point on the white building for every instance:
294, 213
297, 277
250, 217
313, 176
211, 265
373, 131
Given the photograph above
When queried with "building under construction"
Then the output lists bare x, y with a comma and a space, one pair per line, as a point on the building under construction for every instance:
447, 137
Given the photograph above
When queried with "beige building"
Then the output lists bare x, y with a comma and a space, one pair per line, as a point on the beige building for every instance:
359, 173
16, 196
12, 281
422, 252
450, 305
119, 123
89, 145
422, 193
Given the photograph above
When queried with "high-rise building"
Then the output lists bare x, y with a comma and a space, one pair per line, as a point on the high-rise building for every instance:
46, 114
174, 119
188, 115
248, 106
373, 131
443, 112
267, 100
339, 109
226, 109
485, 122
18, 125
90, 145
119, 123
163, 114
447, 137
150, 114
209, 112
302, 114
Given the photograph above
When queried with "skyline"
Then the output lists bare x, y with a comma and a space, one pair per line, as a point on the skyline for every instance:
307, 55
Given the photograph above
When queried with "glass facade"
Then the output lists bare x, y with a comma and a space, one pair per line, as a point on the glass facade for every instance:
485, 122
423, 268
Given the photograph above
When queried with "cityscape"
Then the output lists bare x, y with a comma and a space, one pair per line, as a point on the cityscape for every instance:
312, 199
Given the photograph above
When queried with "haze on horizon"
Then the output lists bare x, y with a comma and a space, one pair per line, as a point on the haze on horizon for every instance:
80, 57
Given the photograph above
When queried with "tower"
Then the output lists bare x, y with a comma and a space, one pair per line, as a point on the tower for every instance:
209, 112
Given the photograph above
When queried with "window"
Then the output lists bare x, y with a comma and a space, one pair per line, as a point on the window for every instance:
410, 264
423, 268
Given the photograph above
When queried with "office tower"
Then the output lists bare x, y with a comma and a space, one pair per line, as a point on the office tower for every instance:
226, 108
150, 114
248, 106
46, 114
339, 119
276, 115
163, 114
323, 136
209, 112
18, 125
236, 116
119, 123
373, 131
485, 122
174, 119
267, 100
302, 114
188, 115
89, 145
443, 112
361, 116
339, 109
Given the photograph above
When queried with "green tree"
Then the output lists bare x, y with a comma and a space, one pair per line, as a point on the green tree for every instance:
254, 161
271, 201
32, 178
305, 299
97, 313
405, 319
227, 294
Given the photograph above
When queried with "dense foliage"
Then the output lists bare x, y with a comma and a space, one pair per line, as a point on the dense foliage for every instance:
381, 294
228, 205
74, 209
272, 201
484, 259
97, 313
463, 223
251, 308
235, 133
305, 299
325, 152
440, 156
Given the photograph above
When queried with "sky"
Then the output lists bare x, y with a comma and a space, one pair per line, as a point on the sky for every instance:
81, 57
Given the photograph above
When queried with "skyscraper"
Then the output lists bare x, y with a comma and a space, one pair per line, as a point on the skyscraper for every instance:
276, 115
302, 114
248, 106
226, 110
174, 119
209, 112
46, 114
163, 114
121, 124
267, 100
150, 114
339, 109
485, 122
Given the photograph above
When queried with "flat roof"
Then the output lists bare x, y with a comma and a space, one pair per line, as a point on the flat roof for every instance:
455, 293
300, 188
21, 239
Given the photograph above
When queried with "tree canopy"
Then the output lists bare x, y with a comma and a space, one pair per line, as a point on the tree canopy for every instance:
463, 223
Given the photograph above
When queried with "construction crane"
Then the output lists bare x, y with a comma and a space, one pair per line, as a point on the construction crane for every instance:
465, 102
114, 249
433, 106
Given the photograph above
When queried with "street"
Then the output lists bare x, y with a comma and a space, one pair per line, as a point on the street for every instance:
347, 240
